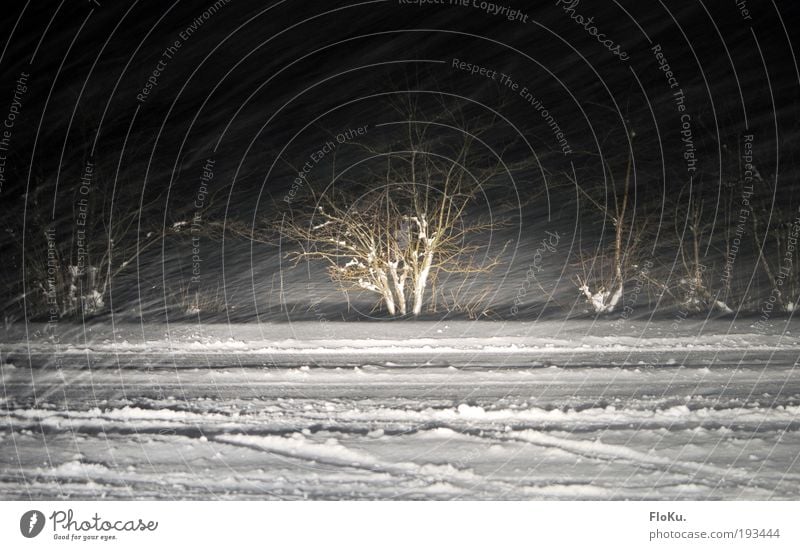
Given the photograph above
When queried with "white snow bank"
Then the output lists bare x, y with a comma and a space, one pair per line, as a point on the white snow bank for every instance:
679, 416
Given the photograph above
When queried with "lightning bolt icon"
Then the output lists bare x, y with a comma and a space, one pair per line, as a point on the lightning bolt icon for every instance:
34, 520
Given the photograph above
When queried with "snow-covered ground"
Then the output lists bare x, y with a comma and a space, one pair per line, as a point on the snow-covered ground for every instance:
478, 410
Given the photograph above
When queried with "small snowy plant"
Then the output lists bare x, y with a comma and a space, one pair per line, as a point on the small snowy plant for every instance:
68, 282
693, 229
72, 290
779, 255
602, 283
601, 300
193, 300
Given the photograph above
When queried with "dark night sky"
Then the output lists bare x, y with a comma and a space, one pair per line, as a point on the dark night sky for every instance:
233, 74
254, 80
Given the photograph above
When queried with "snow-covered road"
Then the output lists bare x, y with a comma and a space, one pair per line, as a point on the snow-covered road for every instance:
402, 433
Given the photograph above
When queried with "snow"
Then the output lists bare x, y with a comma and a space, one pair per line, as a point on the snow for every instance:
693, 343
695, 427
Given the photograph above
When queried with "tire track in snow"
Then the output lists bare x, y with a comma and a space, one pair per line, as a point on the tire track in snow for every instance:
334, 454
611, 453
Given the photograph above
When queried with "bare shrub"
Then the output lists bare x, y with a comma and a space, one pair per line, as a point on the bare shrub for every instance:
395, 226
605, 272
76, 245
693, 286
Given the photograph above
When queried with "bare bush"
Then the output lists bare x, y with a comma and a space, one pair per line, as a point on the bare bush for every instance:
395, 227
194, 300
778, 254
475, 304
605, 273
394, 241
693, 286
74, 249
